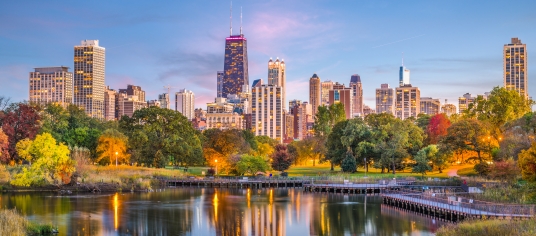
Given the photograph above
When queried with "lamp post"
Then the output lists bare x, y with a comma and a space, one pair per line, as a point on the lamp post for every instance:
216, 166
366, 167
116, 159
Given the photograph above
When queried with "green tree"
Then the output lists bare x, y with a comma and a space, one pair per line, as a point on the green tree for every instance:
335, 148
421, 163
252, 164
52, 163
468, 135
527, 163
348, 163
112, 147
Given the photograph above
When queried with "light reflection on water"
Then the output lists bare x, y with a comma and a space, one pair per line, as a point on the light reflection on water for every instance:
196, 211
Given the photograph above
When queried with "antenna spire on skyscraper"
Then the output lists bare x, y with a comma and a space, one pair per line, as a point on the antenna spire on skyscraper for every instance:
240, 20
231, 19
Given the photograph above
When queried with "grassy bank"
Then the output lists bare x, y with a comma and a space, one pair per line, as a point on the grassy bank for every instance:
490, 228
324, 169
12, 223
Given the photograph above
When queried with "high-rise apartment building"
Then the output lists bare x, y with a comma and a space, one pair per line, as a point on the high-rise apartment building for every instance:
51, 85
341, 94
448, 109
133, 90
430, 106
110, 105
515, 67
128, 104
164, 101
408, 102
89, 88
357, 94
302, 116
315, 93
267, 111
326, 86
185, 102
385, 99
219, 76
277, 76
403, 75
464, 101
235, 67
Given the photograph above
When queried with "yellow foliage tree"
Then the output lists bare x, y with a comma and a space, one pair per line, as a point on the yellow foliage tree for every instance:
23, 149
52, 163
112, 144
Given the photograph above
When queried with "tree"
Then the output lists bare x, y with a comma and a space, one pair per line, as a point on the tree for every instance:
504, 170
281, 160
52, 163
23, 150
4, 147
223, 145
265, 146
348, 163
112, 145
468, 135
335, 148
421, 166
252, 164
437, 128
19, 121
327, 117
527, 163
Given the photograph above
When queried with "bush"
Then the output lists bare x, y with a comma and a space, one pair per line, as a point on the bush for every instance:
490, 227
211, 172
12, 223
348, 163
482, 168
284, 174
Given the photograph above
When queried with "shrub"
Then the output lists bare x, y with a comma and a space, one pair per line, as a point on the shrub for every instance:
348, 163
211, 172
482, 168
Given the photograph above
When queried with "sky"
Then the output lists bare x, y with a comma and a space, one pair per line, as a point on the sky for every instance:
451, 47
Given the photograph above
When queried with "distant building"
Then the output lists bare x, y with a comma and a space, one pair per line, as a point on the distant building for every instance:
430, 106
341, 94
367, 111
315, 93
219, 76
289, 127
267, 111
127, 103
164, 101
110, 105
89, 78
326, 87
200, 113
185, 102
224, 121
302, 115
277, 76
51, 85
515, 67
464, 101
403, 77
448, 109
357, 94
153, 103
407, 101
385, 99
133, 90
199, 124
235, 67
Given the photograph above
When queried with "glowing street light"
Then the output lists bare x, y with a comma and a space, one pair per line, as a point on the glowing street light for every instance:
216, 166
116, 158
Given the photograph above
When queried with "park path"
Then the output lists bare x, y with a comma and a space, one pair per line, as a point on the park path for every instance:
452, 172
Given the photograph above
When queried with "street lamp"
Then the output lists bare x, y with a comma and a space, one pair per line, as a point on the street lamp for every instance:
216, 166
116, 159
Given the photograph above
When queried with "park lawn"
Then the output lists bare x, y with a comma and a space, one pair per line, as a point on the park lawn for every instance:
324, 169
469, 171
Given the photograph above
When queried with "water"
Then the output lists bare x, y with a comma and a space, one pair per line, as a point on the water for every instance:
196, 211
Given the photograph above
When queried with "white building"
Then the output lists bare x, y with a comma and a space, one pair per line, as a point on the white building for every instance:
267, 111
184, 103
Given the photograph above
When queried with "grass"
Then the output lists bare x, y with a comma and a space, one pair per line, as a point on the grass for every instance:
469, 171
323, 169
12, 223
490, 228
129, 176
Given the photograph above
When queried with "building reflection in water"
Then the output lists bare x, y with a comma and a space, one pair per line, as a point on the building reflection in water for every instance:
196, 211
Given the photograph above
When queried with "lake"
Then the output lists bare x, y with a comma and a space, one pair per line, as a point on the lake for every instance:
209, 211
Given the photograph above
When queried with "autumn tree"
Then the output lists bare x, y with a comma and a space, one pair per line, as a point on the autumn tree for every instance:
504, 170
468, 135
252, 164
19, 121
112, 145
527, 163
52, 163
281, 160
4, 147
437, 127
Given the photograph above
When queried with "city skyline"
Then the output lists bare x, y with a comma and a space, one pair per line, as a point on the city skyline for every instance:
445, 63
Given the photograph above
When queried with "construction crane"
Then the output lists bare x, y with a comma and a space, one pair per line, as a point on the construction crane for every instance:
168, 87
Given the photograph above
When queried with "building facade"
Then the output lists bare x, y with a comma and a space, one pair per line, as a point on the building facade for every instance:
51, 85
219, 84
357, 94
164, 101
267, 111
430, 106
224, 121
408, 102
302, 115
235, 67
89, 78
326, 87
448, 109
134, 90
464, 101
277, 76
403, 75
315, 94
341, 94
385, 99
184, 103
515, 71
110, 104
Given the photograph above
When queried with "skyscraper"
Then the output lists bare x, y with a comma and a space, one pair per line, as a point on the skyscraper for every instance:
267, 111
341, 94
110, 104
184, 103
219, 76
408, 102
385, 99
51, 85
235, 67
326, 86
403, 76
357, 94
277, 76
89, 64
515, 67
315, 93
163, 99
430, 106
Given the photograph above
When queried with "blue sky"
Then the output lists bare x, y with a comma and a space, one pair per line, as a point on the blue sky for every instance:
451, 47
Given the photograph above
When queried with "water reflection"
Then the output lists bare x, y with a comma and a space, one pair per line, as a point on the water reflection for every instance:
194, 211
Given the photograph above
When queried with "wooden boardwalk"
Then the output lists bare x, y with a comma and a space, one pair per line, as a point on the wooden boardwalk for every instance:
455, 210
235, 183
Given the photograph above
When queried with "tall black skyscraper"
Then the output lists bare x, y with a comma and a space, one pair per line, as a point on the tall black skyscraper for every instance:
235, 66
